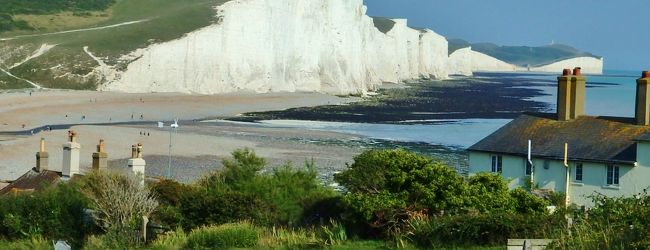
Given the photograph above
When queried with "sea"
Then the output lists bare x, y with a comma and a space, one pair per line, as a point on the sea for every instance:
609, 94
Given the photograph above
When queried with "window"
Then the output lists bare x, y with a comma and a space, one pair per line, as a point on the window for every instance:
529, 167
578, 175
612, 175
497, 164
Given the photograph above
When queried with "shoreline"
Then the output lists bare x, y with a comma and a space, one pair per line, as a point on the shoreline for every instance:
108, 116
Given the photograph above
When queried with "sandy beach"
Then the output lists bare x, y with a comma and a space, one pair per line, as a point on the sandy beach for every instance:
198, 147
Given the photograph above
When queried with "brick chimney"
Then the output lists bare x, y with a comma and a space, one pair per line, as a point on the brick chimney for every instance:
643, 99
100, 158
71, 150
571, 91
136, 163
578, 93
42, 157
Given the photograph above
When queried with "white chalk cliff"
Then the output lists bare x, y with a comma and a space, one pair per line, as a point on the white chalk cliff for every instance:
465, 61
589, 65
286, 45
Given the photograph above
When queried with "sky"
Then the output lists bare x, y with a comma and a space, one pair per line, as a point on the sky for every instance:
617, 30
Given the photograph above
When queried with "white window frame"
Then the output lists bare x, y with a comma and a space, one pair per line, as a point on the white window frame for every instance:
615, 178
582, 172
496, 163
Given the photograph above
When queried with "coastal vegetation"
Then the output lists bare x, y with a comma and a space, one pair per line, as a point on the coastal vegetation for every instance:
391, 199
10, 8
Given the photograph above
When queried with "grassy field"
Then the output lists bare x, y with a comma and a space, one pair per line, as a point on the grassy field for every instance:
67, 65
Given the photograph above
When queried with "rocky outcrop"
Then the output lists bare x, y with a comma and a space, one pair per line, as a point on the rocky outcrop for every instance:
310, 45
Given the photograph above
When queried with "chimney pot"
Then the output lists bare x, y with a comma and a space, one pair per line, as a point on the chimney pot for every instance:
42, 145
100, 158
100, 146
134, 151
72, 136
577, 71
42, 157
645, 74
566, 72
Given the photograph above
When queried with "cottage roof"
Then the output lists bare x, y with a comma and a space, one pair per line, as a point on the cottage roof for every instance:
595, 139
32, 180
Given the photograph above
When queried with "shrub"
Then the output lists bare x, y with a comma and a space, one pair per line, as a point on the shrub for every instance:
175, 240
120, 202
240, 235
37, 243
613, 223
202, 207
387, 187
484, 229
283, 197
56, 213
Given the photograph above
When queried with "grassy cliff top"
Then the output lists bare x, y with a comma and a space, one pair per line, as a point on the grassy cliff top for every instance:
522, 55
383, 24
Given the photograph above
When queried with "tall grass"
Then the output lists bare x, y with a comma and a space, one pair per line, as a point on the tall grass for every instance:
241, 235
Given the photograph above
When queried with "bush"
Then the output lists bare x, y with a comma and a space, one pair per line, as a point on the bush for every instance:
613, 223
241, 235
26, 244
282, 197
386, 188
120, 202
201, 207
175, 240
56, 213
485, 229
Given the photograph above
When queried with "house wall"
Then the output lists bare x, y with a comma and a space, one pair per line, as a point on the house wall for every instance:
632, 180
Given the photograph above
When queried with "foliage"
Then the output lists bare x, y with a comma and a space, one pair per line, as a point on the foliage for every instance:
37, 243
8, 8
613, 223
281, 197
120, 201
489, 193
54, 213
386, 187
201, 207
225, 236
106, 241
174, 240
484, 229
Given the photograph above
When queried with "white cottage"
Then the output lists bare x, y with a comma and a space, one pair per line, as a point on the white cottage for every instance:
606, 155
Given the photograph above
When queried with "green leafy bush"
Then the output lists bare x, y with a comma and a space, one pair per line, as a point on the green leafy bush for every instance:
201, 208
485, 229
55, 213
225, 236
386, 188
613, 223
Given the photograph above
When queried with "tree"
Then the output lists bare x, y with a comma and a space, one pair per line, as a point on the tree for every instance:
119, 201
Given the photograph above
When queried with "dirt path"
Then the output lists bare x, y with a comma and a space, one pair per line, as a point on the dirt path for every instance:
76, 30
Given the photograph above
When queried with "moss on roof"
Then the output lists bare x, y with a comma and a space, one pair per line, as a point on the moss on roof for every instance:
599, 139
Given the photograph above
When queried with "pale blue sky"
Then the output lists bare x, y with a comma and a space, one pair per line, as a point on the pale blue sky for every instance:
617, 30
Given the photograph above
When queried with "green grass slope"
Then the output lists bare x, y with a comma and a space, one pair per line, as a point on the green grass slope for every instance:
68, 66
383, 24
522, 55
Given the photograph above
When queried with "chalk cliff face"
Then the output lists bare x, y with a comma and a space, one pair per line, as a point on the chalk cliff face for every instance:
465, 61
589, 65
286, 45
